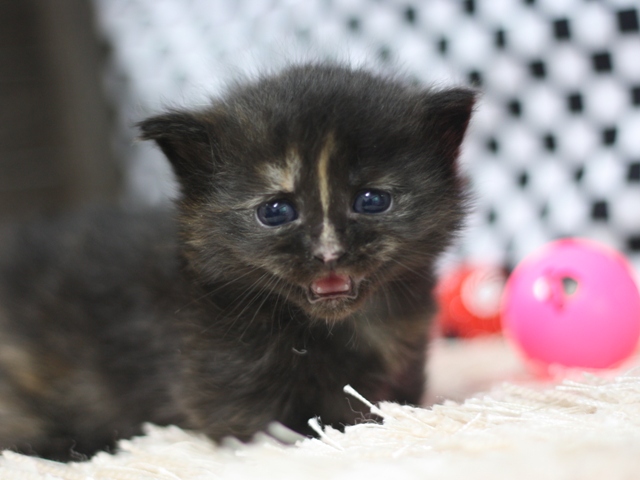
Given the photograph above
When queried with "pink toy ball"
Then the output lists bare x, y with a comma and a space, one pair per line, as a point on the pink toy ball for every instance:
573, 303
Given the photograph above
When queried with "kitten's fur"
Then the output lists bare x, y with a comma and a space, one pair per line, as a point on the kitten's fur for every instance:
203, 317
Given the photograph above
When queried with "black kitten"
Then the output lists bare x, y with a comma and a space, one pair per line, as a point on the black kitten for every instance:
299, 259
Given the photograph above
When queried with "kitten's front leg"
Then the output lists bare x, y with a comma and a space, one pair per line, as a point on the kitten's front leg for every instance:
229, 389
398, 330
408, 386
240, 388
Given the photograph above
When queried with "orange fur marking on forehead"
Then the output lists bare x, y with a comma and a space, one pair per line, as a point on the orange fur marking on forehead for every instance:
283, 178
329, 241
323, 175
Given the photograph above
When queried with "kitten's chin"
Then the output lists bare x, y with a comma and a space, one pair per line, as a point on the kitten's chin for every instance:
333, 309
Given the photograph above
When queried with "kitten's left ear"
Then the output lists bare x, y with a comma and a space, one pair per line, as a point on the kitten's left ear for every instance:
185, 139
446, 116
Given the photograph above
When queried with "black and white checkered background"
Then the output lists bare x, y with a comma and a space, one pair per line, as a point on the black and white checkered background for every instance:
554, 149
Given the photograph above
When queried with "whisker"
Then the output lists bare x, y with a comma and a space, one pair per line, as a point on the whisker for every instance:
244, 301
274, 281
383, 287
280, 299
410, 269
245, 294
211, 292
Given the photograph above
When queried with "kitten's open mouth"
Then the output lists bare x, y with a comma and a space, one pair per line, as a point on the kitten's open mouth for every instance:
330, 287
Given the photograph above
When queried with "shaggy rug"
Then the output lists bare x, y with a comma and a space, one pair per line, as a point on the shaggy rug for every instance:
584, 427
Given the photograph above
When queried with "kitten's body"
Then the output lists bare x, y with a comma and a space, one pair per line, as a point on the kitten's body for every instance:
234, 311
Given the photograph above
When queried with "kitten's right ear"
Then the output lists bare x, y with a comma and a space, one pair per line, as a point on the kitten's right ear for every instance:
447, 116
186, 140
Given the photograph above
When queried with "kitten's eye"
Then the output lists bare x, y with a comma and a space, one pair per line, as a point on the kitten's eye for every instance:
278, 212
371, 202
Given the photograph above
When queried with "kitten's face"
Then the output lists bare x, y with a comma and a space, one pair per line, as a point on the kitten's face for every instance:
320, 185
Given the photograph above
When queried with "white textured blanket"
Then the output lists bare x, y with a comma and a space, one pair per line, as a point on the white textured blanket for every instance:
579, 429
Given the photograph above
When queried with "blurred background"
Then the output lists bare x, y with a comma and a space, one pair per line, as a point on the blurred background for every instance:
554, 149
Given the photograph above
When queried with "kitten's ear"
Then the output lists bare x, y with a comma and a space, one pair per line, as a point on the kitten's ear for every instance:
185, 139
447, 114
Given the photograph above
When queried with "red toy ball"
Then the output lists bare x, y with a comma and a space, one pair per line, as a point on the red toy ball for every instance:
469, 300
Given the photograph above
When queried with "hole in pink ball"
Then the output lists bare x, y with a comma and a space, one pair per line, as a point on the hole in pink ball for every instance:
569, 285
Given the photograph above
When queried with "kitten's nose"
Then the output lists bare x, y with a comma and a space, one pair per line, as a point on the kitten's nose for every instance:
328, 245
328, 254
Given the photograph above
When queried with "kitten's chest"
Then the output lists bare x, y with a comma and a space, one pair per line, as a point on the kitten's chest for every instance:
395, 325
375, 343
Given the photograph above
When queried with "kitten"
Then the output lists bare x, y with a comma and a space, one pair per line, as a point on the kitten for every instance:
298, 259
